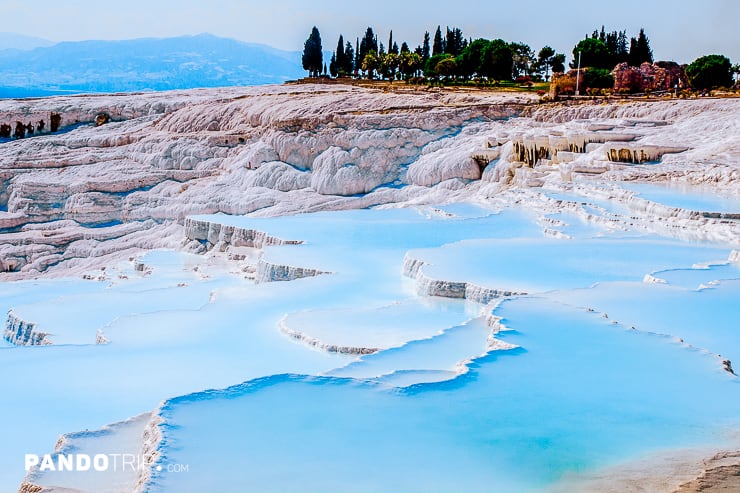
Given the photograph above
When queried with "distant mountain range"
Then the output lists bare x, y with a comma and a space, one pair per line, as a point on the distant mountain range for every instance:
142, 65
15, 41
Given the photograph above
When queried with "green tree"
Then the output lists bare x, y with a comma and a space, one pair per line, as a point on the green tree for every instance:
425, 53
447, 66
598, 78
358, 60
392, 45
544, 60
558, 63
387, 65
339, 59
409, 63
333, 65
368, 43
439, 45
313, 57
616, 46
623, 51
455, 42
470, 60
370, 64
523, 58
710, 71
349, 59
497, 60
593, 54
640, 50
430, 68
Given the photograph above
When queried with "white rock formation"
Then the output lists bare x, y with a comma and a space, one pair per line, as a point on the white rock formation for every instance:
130, 440
214, 233
282, 149
427, 286
86, 195
265, 150
23, 333
271, 272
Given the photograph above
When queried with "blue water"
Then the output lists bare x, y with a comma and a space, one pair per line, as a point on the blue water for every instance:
575, 393
703, 199
23, 92
580, 393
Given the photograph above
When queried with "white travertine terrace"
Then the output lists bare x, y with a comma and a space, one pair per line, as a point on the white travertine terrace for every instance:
281, 149
86, 196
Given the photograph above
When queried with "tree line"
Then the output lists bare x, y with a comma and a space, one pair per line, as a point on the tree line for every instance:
448, 55
602, 51
607, 50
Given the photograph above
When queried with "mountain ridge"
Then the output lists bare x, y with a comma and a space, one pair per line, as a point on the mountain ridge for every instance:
22, 42
147, 64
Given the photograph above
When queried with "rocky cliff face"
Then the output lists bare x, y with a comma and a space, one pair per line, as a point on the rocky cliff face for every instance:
658, 76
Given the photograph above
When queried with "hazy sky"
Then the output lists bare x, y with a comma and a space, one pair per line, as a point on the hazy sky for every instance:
676, 31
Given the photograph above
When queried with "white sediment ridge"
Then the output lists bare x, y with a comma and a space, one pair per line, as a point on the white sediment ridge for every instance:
426, 286
204, 171
23, 333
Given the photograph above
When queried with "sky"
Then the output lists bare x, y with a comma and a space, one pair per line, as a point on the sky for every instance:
676, 31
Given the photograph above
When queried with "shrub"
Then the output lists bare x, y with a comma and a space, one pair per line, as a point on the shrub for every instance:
598, 78
710, 71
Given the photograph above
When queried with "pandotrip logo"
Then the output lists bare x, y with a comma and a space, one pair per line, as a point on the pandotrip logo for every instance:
96, 463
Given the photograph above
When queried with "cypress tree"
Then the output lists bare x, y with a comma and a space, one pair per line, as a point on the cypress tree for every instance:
438, 47
611, 47
333, 65
425, 49
622, 49
358, 60
312, 53
640, 50
369, 43
349, 59
643, 47
455, 42
339, 60
392, 46
632, 59
405, 47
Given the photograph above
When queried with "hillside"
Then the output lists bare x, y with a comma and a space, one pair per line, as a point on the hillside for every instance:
145, 64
